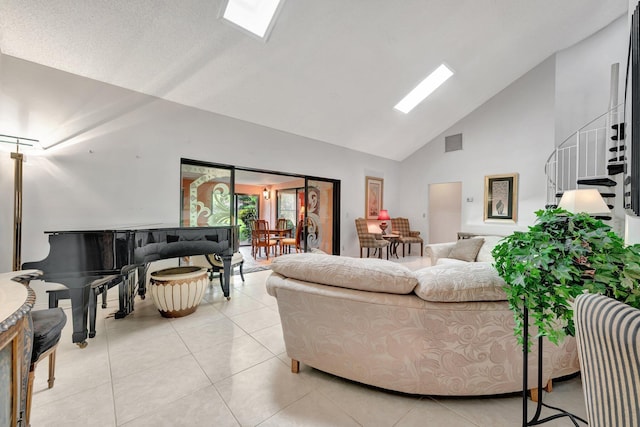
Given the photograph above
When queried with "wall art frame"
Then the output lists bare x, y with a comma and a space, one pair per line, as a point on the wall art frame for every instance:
374, 192
501, 198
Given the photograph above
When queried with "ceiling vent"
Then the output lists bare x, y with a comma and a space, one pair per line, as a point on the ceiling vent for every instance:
453, 142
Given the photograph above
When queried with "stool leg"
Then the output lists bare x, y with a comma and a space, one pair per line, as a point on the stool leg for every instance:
104, 296
53, 300
241, 273
52, 368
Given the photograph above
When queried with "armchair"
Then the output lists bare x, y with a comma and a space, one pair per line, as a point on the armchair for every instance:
400, 226
608, 337
369, 240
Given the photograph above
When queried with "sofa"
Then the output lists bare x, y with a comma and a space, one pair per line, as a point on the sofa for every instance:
474, 249
442, 330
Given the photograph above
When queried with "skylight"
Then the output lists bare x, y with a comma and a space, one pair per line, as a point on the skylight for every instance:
252, 15
424, 89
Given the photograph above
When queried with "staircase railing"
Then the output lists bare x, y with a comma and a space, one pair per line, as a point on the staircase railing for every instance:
583, 156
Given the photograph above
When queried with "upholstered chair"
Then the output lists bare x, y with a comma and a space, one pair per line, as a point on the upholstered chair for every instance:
217, 266
47, 329
608, 337
369, 240
400, 226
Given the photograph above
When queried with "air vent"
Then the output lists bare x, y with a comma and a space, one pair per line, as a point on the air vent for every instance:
453, 142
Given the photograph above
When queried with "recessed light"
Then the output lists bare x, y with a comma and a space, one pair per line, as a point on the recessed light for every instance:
424, 89
252, 15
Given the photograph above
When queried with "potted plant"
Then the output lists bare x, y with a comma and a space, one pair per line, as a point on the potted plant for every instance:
561, 256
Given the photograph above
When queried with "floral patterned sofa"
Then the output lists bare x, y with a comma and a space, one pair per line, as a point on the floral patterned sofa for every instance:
442, 330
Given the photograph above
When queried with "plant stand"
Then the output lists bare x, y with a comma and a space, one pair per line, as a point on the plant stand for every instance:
536, 420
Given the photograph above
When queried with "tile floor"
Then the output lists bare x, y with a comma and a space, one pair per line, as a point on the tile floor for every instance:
225, 365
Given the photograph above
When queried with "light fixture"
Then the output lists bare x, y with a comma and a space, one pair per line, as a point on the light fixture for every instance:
587, 200
265, 193
424, 89
383, 216
254, 16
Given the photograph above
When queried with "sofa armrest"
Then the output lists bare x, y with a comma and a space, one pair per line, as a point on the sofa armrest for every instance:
439, 250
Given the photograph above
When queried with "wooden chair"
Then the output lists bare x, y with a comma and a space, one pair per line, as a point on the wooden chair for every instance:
608, 337
400, 226
263, 238
283, 224
369, 240
295, 242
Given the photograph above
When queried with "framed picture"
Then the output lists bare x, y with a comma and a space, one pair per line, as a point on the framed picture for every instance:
373, 197
501, 198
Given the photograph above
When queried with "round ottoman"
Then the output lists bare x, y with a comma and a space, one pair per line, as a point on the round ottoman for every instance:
177, 291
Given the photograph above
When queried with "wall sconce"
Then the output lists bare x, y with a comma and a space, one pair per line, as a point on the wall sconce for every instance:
383, 216
265, 193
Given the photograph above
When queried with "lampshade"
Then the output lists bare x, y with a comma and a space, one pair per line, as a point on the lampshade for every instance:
586, 200
383, 215
265, 193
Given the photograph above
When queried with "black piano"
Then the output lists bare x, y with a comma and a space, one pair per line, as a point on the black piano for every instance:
79, 258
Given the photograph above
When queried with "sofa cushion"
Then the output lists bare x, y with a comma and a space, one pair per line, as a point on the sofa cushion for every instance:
450, 261
475, 281
466, 249
490, 242
373, 275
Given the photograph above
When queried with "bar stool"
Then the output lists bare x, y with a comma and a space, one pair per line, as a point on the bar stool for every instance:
47, 328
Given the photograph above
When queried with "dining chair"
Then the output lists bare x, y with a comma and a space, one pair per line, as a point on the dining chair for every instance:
263, 238
283, 224
296, 242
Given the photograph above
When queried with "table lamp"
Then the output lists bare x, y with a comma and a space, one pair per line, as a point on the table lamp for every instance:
584, 200
383, 216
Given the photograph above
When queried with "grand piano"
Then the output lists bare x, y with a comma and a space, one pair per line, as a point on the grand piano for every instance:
79, 258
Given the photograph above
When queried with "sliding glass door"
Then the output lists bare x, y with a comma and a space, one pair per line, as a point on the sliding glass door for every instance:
209, 198
205, 195
320, 212
246, 211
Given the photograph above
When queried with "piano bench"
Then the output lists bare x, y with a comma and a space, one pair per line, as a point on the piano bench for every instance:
47, 329
98, 287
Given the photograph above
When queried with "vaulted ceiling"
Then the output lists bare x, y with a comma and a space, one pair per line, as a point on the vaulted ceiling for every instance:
331, 70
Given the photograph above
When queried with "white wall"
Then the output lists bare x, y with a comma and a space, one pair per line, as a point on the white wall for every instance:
512, 132
125, 168
583, 76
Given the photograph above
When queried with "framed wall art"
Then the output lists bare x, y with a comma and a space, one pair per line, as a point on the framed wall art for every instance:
501, 198
373, 197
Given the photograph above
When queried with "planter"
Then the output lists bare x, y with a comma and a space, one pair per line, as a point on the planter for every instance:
177, 291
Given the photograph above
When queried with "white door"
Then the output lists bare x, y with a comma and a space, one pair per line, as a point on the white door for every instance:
445, 211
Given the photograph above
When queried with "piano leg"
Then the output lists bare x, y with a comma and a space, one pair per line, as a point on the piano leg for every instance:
79, 309
226, 263
126, 292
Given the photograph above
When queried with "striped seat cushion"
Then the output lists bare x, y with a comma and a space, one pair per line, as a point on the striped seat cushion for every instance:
608, 336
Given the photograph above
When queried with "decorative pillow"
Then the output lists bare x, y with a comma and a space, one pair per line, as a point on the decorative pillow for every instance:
476, 281
490, 242
466, 249
373, 275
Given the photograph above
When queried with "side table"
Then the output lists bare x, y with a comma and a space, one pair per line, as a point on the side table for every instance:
394, 241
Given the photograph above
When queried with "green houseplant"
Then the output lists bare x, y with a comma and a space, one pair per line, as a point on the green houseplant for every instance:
561, 256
